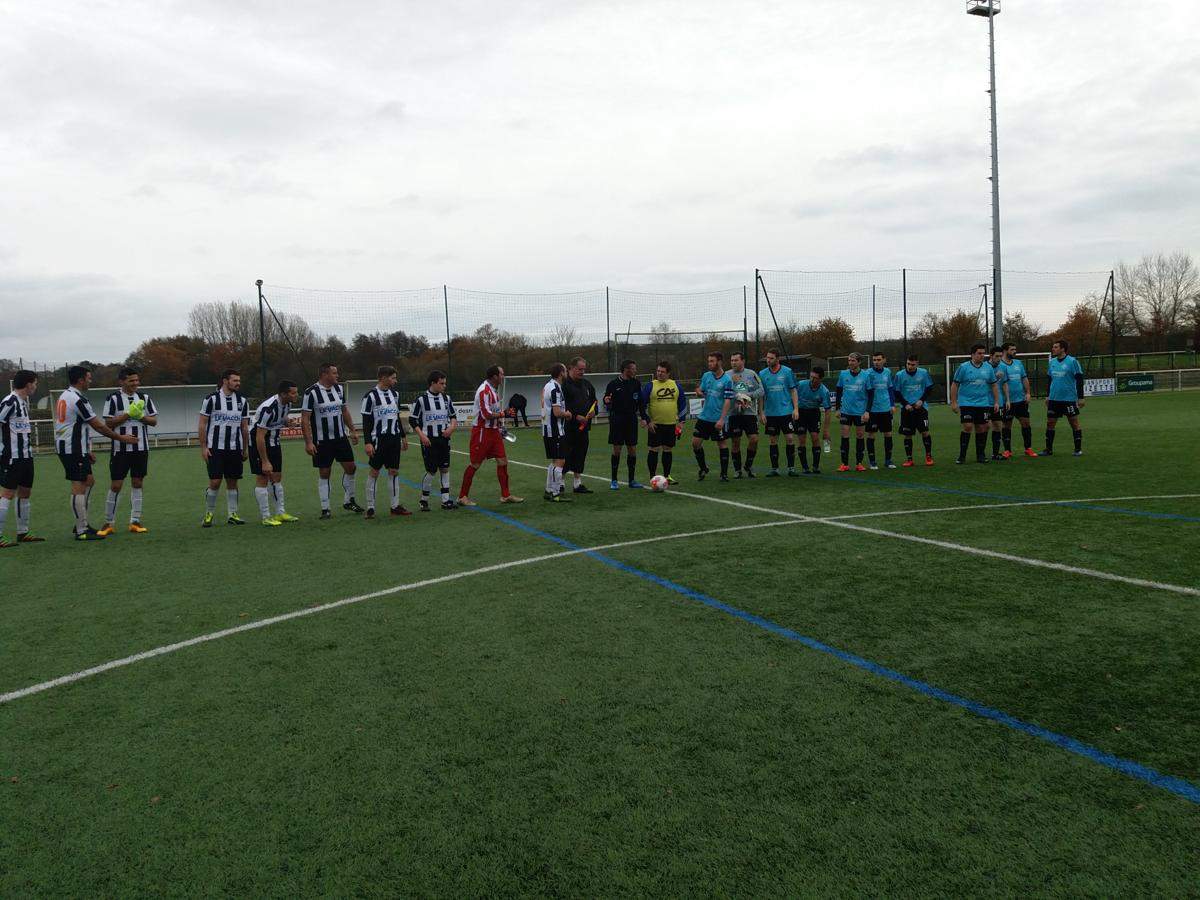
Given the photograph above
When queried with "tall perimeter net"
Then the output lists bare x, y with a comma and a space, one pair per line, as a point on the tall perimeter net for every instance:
462, 332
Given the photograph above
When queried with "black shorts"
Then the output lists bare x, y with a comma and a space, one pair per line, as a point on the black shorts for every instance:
663, 436
129, 462
387, 453
554, 447
622, 431
777, 425
224, 464
436, 455
708, 431
975, 415
851, 419
327, 451
78, 466
1016, 411
274, 457
914, 420
575, 443
17, 474
880, 421
1058, 408
810, 421
743, 424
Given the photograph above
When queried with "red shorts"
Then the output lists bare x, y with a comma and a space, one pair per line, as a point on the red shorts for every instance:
486, 443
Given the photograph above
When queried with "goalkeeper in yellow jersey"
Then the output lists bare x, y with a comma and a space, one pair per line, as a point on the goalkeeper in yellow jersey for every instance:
663, 407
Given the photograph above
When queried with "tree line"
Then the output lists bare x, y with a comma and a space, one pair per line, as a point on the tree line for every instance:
1157, 308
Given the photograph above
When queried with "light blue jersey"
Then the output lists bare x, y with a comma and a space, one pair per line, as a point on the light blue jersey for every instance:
716, 392
1062, 379
881, 383
1001, 369
854, 391
911, 388
1016, 381
975, 384
813, 398
779, 386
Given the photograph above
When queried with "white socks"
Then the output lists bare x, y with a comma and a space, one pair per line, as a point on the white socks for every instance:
277, 490
231, 500
550, 478
445, 485
348, 486
80, 510
110, 508
4, 504
395, 491
264, 504
323, 492
22, 517
372, 484
210, 500
135, 498
426, 485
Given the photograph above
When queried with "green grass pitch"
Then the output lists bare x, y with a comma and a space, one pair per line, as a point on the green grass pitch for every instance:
587, 726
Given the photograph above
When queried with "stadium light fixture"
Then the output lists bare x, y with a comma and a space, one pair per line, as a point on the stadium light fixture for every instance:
991, 9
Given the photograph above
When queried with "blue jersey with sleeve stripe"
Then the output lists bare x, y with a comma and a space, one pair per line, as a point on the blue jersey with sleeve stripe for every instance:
854, 391
975, 383
813, 398
778, 387
911, 388
1016, 381
881, 383
1062, 379
716, 392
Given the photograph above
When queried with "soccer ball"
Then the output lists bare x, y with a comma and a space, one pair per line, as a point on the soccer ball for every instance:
658, 483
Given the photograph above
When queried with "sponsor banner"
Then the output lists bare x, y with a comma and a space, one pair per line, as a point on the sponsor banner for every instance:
1134, 384
1099, 387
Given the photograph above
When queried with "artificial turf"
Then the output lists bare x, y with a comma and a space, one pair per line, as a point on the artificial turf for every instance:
573, 726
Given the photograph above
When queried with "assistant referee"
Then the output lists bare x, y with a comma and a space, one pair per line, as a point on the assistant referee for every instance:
580, 399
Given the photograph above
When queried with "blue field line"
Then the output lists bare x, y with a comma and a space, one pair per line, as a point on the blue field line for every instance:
1147, 514
1178, 786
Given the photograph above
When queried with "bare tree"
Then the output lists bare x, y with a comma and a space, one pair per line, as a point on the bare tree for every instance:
1158, 294
236, 324
561, 339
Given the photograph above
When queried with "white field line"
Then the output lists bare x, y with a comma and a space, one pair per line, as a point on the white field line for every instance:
945, 545
347, 601
938, 509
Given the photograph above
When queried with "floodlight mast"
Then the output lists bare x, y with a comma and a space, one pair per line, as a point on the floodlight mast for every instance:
991, 9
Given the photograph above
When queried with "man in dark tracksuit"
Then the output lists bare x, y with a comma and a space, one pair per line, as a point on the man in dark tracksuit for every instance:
580, 398
623, 400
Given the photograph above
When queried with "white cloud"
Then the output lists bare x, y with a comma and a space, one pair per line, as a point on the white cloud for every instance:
181, 151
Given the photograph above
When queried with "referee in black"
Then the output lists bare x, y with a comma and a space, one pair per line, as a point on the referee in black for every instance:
580, 398
623, 400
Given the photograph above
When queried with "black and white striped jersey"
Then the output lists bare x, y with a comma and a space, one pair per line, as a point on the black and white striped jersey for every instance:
16, 438
381, 414
72, 412
325, 404
432, 413
552, 396
271, 416
117, 403
225, 412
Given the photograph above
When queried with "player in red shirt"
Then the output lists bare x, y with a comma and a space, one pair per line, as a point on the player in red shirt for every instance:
487, 442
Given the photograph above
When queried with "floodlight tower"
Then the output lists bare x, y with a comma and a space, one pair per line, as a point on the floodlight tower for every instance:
991, 9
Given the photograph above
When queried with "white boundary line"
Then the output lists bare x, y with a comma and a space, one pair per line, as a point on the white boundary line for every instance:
947, 545
929, 509
347, 601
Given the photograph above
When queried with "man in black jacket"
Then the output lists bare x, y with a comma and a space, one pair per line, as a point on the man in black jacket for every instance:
623, 400
580, 398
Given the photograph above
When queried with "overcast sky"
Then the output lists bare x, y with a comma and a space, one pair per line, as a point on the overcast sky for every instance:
160, 154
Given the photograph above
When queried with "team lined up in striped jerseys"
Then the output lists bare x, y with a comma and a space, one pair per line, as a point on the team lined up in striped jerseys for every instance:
988, 392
